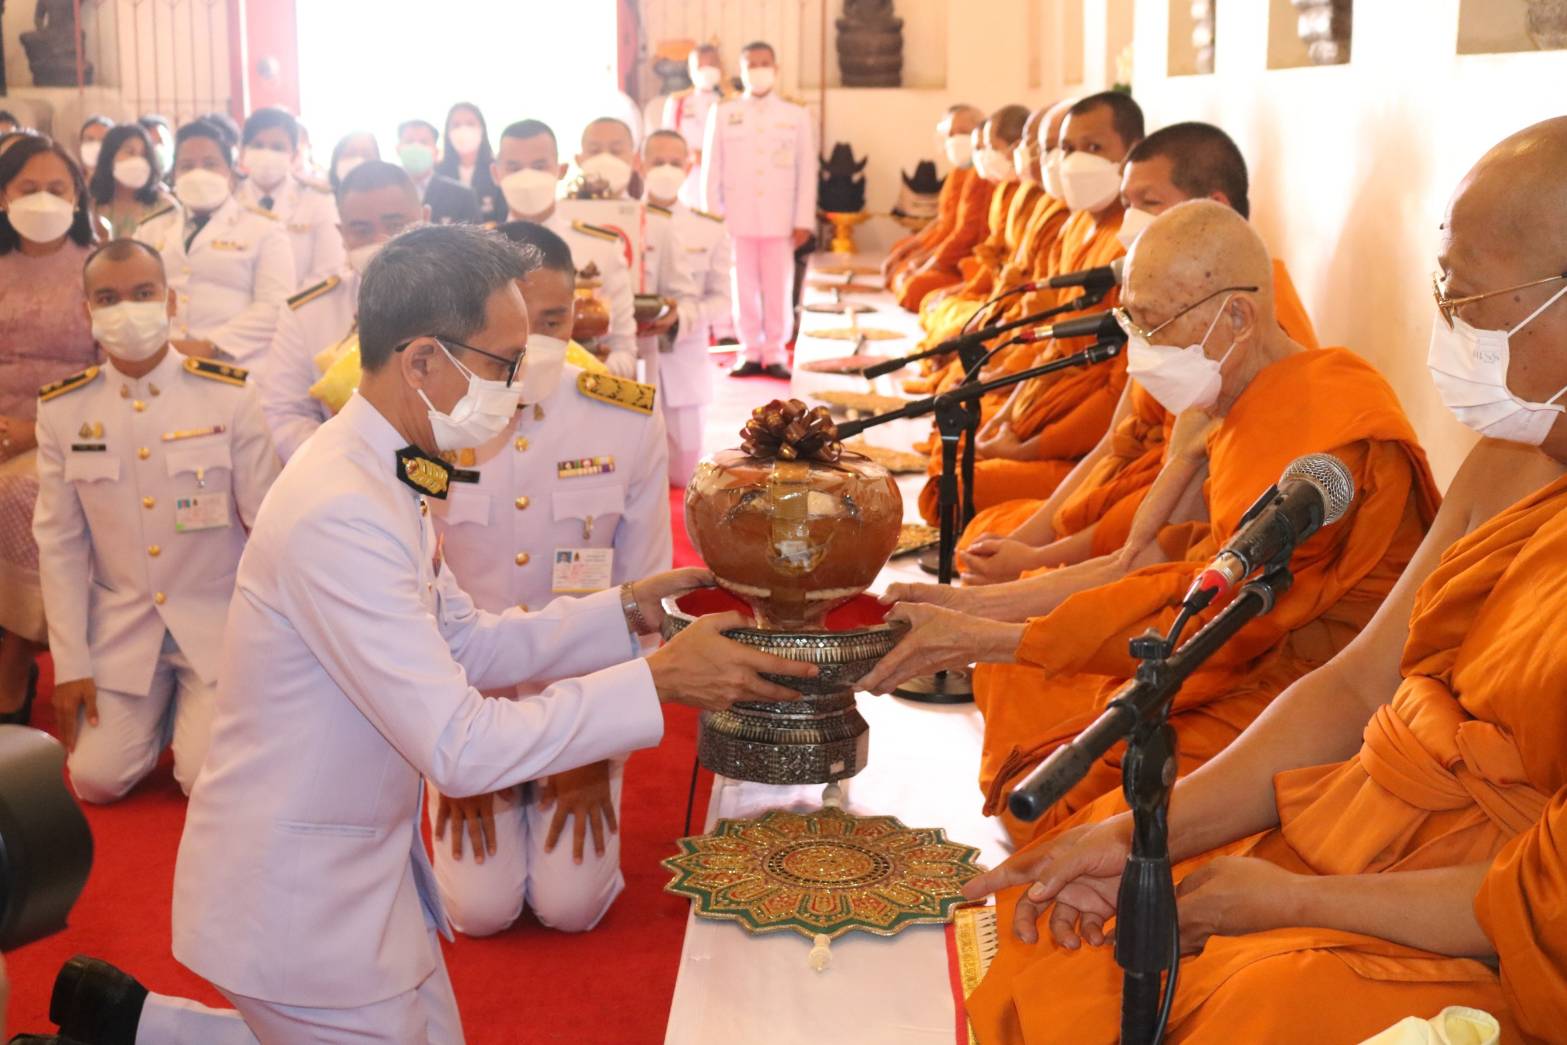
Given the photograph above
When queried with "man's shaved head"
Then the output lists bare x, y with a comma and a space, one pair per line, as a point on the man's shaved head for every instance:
1028, 145
1126, 116
1203, 162
1005, 126
960, 119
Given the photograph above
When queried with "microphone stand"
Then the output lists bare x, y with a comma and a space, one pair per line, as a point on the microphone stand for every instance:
1147, 937
957, 413
974, 339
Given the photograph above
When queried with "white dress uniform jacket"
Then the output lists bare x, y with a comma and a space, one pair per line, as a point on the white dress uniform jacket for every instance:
232, 280
120, 563
759, 164
686, 113
308, 214
315, 319
349, 671
606, 253
694, 266
577, 472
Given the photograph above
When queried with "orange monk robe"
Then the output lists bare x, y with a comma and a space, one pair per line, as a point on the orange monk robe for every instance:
1110, 494
1073, 660
910, 251
942, 312
1463, 766
1069, 410
940, 267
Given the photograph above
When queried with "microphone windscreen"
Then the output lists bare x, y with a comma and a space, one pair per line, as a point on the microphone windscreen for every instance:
1329, 475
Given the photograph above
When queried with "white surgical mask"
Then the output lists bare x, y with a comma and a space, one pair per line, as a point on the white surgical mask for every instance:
708, 78
359, 257
1089, 182
996, 166
1133, 222
1051, 168
759, 81
615, 172
541, 368
1179, 378
90, 151
1469, 367
41, 217
266, 167
529, 192
480, 415
132, 172
346, 164
960, 150
464, 139
664, 182
417, 158
132, 330
202, 190
1023, 164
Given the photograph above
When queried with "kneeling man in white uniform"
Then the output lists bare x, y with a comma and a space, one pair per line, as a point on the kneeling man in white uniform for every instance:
352, 667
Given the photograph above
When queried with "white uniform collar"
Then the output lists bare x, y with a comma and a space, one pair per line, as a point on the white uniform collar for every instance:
159, 377
374, 429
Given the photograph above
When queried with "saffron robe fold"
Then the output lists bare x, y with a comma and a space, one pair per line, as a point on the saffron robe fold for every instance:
911, 251
940, 266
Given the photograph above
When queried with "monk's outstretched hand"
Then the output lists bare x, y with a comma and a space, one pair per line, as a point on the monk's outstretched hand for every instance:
930, 594
939, 639
1232, 895
1078, 871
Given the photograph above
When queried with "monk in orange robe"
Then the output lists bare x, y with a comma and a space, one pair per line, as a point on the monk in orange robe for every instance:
1090, 512
1410, 795
1199, 276
956, 128
1031, 442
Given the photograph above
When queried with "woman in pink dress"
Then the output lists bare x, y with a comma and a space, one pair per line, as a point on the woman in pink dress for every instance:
45, 234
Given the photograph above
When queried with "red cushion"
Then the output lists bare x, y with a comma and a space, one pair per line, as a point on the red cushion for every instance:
862, 611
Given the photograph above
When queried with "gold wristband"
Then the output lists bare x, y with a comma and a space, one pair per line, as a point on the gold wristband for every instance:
628, 605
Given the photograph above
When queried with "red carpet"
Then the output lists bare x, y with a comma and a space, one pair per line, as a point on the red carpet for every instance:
612, 985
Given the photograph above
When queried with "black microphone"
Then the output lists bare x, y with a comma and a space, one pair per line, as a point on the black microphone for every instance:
1313, 492
1101, 279
1100, 325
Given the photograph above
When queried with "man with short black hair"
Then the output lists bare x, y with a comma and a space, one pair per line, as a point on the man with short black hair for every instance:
449, 200
305, 210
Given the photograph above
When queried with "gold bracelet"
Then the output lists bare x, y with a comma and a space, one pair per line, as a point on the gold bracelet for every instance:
628, 605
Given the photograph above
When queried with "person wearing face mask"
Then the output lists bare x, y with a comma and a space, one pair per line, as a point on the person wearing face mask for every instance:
579, 473
45, 232
609, 158
1089, 512
1033, 435
954, 128
528, 171
270, 148
693, 269
352, 673
1388, 838
759, 165
375, 202
127, 188
968, 229
350, 151
162, 136
449, 200
468, 158
1198, 312
685, 112
89, 143
150, 470
230, 265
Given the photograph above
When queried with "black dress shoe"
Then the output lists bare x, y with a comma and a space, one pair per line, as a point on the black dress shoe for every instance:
43, 1039
23, 715
777, 370
94, 1001
747, 369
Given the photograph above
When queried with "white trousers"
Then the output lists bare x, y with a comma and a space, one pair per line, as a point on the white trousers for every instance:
763, 285
484, 899
132, 731
683, 427
426, 1015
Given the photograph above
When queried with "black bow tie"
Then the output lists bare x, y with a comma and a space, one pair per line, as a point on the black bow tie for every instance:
429, 475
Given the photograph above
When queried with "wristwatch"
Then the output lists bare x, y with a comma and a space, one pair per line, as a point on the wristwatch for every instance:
634, 618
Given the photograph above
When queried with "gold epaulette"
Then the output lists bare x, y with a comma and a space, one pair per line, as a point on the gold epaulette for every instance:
55, 389
617, 391
663, 212
261, 211
309, 294
596, 230
226, 372
708, 215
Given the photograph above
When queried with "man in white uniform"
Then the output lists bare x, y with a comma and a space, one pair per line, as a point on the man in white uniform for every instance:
230, 265
685, 112
528, 170
693, 265
760, 167
150, 469
269, 154
351, 669
377, 201
571, 498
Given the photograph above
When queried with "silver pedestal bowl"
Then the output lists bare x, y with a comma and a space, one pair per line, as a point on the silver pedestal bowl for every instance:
816, 740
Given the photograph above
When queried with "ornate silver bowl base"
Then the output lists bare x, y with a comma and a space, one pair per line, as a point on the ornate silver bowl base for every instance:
817, 740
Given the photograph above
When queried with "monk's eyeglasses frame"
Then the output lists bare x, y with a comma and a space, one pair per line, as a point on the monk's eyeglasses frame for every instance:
1449, 306
1124, 319
511, 365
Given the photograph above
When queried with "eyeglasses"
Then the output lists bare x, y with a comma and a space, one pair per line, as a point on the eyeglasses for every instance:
1124, 319
511, 365
1449, 307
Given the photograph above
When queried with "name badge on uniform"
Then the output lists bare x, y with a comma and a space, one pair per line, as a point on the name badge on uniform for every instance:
227, 244
584, 466
579, 571
202, 511
301, 229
